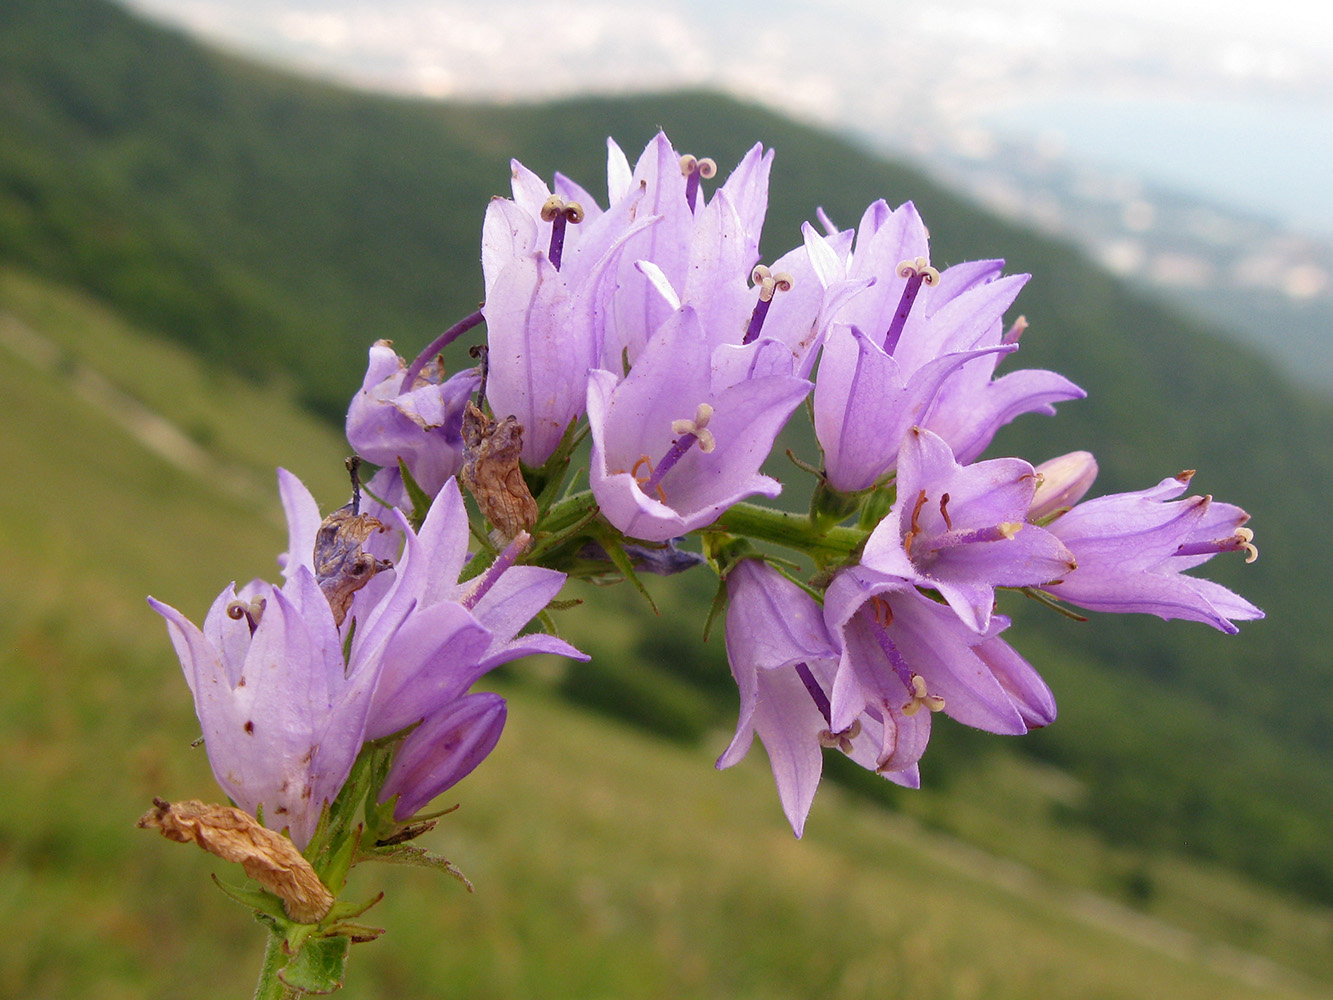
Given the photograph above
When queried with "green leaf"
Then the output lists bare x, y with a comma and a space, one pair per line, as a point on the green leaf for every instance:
319, 967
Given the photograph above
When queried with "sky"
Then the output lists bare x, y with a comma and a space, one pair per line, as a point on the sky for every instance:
1113, 83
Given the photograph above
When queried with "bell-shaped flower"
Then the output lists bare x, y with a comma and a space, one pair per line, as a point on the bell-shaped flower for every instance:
283, 717
704, 248
903, 657
435, 636
865, 404
783, 660
547, 304
438, 636
963, 530
415, 417
918, 315
671, 447
1133, 549
442, 751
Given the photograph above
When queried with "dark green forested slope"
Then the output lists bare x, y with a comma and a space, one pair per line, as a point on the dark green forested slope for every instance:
279, 225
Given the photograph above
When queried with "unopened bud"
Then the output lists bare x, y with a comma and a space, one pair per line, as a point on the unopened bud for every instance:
1061, 483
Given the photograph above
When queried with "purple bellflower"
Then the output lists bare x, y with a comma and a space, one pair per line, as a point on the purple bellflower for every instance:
963, 530
283, 717
927, 340
903, 656
443, 750
783, 660
671, 448
1132, 551
703, 248
547, 299
419, 422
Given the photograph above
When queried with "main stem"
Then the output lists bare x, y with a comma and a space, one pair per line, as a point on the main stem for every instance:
270, 985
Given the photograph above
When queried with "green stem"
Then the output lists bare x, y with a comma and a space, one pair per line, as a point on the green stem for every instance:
270, 985
793, 531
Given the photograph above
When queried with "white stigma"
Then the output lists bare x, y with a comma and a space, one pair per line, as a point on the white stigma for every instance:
698, 427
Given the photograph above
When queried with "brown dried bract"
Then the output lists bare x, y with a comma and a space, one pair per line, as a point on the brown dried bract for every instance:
341, 567
234, 835
491, 473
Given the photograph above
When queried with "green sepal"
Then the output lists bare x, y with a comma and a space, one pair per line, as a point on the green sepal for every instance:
620, 560
724, 552
716, 608
548, 479
876, 505
420, 498
320, 965
829, 506
259, 900
416, 857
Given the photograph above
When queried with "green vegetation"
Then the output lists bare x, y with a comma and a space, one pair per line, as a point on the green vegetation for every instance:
206, 208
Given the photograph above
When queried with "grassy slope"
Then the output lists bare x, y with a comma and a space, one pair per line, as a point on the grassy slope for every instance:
630, 869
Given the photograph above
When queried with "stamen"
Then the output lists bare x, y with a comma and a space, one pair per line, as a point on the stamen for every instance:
695, 169
433, 349
915, 527
769, 285
920, 699
503, 561
559, 212
944, 512
253, 612
880, 611
643, 480
692, 432
917, 272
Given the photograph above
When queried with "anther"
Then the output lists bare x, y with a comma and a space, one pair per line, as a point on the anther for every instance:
1014, 332
914, 528
559, 212
917, 271
769, 284
944, 512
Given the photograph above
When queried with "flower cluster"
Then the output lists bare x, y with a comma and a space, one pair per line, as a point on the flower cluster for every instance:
652, 328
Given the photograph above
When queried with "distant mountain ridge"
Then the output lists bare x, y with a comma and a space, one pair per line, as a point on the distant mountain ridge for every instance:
278, 226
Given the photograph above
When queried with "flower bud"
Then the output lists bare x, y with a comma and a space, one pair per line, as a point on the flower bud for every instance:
444, 750
1062, 483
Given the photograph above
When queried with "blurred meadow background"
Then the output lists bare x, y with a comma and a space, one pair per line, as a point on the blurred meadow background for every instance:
196, 250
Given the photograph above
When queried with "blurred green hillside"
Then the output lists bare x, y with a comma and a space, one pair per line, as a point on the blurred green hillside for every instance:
192, 246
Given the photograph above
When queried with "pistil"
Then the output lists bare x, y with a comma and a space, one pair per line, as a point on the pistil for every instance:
695, 170
1241, 540
502, 562
559, 213
433, 349
691, 432
917, 272
252, 612
917, 695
